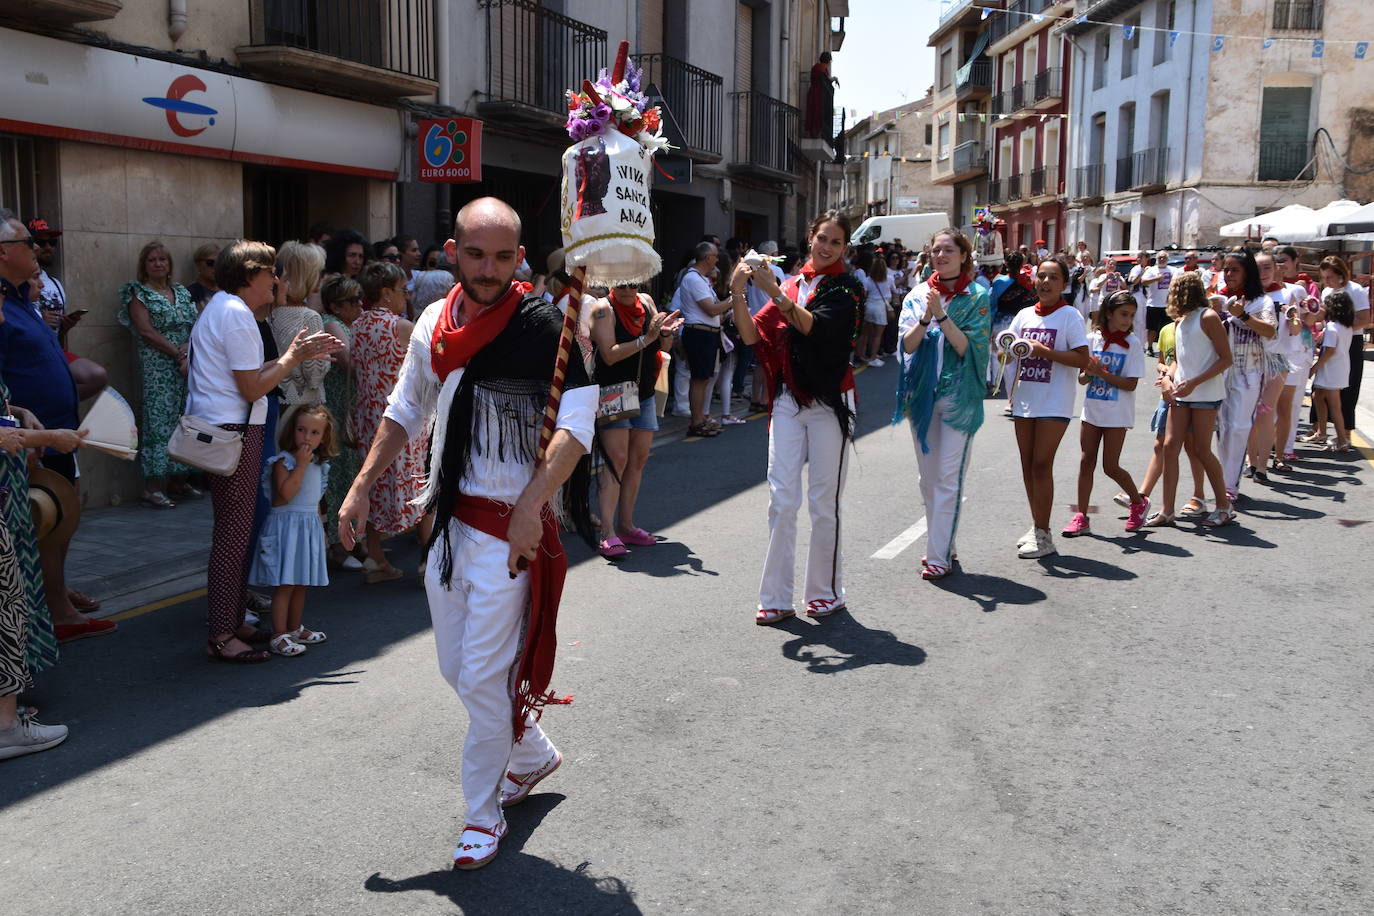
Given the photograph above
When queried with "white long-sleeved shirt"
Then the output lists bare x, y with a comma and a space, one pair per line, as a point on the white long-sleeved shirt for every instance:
413, 401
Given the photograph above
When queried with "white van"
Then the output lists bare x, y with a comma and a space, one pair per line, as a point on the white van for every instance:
914, 229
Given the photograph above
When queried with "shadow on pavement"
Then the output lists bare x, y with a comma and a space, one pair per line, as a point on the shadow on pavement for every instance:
150, 681
518, 883
989, 592
1272, 510
1142, 542
1070, 567
666, 558
851, 645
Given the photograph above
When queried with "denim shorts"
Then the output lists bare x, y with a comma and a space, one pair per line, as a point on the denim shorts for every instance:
647, 419
1159, 423
1201, 405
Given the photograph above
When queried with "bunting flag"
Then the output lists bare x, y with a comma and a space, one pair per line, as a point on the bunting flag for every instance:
1318, 48
1267, 44
1128, 31
1218, 42
1173, 37
1361, 48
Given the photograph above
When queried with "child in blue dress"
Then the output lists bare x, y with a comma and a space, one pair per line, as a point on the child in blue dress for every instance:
291, 548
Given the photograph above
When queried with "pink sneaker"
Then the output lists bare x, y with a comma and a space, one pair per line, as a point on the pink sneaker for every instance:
1136, 520
1077, 525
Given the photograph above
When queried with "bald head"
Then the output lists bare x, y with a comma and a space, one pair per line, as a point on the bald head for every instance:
486, 213
485, 248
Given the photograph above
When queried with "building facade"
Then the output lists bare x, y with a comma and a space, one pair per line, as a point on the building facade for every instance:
887, 165
961, 104
1171, 138
255, 119
1028, 140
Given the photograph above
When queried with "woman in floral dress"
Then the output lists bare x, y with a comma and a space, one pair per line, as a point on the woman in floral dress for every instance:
380, 339
342, 298
41, 647
160, 313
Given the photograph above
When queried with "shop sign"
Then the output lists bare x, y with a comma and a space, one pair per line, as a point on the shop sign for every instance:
451, 150
74, 91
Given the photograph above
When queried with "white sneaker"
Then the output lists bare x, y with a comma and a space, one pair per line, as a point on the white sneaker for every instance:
28, 736
1042, 546
876, 363
516, 788
1027, 538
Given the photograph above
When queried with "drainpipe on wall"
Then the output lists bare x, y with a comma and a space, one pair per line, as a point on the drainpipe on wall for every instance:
1188, 95
176, 19
443, 212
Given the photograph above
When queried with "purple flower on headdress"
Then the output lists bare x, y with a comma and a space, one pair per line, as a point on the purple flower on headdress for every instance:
602, 113
633, 75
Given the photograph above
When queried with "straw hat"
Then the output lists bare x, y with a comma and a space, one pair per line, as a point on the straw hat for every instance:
54, 503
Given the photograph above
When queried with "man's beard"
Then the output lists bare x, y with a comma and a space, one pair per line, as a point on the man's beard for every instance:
480, 289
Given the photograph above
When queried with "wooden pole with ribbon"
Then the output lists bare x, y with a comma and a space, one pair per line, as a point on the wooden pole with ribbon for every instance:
560, 368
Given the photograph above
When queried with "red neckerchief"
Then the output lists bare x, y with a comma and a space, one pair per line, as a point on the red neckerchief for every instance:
1026, 277
548, 569
452, 346
1273, 287
949, 292
1237, 294
631, 316
809, 270
1047, 312
1120, 338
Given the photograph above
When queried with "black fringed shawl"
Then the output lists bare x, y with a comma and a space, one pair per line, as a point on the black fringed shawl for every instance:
511, 377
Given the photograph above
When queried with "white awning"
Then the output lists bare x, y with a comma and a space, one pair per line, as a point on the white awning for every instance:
1352, 226
1264, 224
74, 91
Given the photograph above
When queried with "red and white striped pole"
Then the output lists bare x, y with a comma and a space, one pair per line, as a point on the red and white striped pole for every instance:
560, 367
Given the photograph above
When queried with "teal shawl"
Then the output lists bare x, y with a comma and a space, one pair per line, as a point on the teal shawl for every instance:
963, 378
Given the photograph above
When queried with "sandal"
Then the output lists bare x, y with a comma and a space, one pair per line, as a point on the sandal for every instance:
933, 571
1219, 517
1313, 438
215, 650
824, 607
612, 548
765, 616
374, 572
1193, 508
1160, 520
187, 492
285, 645
638, 537
702, 430
1340, 446
157, 500
1282, 466
307, 637
82, 601
256, 637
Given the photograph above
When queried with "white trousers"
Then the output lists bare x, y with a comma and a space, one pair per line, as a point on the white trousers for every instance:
942, 483
1292, 444
796, 436
1234, 419
724, 383
682, 377
477, 627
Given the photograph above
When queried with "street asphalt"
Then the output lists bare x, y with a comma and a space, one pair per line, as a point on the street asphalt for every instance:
1174, 721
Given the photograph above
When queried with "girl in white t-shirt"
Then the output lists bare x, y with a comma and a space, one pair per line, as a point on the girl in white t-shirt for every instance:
1045, 391
1249, 317
1331, 374
1116, 364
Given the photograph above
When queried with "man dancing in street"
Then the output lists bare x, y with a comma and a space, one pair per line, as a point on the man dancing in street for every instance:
479, 365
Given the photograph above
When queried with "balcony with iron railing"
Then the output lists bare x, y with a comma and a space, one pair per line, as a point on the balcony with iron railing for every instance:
695, 98
973, 79
997, 192
765, 131
1087, 183
1148, 167
969, 158
1047, 87
1298, 15
368, 48
1044, 181
1284, 160
1017, 14
1014, 188
534, 55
